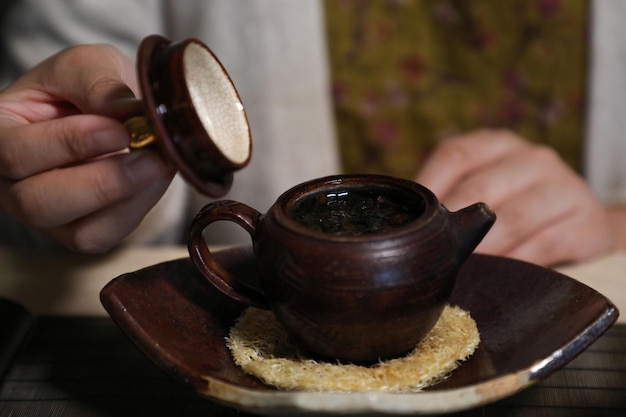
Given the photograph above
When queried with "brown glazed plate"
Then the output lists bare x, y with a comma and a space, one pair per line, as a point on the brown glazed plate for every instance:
532, 322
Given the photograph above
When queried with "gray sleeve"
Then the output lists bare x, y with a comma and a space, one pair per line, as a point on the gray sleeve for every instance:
32, 30
606, 125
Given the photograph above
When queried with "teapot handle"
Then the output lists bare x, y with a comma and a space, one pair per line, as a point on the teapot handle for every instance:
246, 217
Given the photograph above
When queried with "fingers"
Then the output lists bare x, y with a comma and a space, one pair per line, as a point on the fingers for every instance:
64, 168
579, 236
526, 215
94, 78
561, 244
510, 174
457, 158
63, 195
546, 212
102, 230
66, 110
109, 78
29, 149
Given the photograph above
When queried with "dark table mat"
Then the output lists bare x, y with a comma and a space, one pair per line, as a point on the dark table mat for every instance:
15, 325
84, 366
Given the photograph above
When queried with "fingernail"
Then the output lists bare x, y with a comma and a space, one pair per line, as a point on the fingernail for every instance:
144, 166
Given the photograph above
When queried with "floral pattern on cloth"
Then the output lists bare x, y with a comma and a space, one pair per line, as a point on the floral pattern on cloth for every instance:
406, 74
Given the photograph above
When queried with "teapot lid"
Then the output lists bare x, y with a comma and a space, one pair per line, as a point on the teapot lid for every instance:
195, 112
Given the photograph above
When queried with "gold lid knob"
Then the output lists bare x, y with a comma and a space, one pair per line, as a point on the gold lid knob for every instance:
141, 134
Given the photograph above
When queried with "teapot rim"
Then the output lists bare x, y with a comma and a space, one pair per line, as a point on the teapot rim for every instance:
281, 208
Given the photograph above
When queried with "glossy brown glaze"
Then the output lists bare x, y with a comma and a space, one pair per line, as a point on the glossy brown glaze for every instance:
356, 298
532, 322
180, 133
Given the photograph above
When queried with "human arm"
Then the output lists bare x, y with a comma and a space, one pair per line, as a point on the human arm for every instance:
546, 212
63, 165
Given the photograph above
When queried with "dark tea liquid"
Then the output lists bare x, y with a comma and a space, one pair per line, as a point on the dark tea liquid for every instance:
354, 211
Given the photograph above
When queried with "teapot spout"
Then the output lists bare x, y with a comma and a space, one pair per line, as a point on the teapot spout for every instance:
471, 224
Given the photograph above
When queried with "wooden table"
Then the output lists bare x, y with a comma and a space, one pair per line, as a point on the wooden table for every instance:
53, 284
78, 363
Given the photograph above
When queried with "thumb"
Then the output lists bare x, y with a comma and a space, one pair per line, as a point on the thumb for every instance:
109, 96
96, 79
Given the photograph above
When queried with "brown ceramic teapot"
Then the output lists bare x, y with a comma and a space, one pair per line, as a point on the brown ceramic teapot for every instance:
355, 267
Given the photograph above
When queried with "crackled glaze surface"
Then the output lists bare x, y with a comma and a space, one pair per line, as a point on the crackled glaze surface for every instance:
216, 102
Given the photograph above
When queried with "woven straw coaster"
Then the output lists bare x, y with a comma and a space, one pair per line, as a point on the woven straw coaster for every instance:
261, 347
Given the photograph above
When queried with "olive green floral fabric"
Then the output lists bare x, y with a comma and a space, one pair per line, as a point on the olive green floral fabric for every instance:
409, 73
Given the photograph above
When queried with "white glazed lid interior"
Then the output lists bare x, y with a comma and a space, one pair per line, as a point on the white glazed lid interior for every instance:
216, 103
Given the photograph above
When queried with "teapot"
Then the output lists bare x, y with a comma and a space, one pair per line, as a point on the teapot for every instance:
355, 267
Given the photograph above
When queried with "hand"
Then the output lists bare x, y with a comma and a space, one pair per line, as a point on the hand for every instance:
64, 168
546, 214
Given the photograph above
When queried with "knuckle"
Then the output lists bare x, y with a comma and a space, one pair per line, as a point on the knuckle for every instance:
77, 55
11, 165
105, 188
505, 134
72, 140
472, 191
496, 134
544, 153
453, 151
99, 80
26, 206
82, 240
102, 85
506, 228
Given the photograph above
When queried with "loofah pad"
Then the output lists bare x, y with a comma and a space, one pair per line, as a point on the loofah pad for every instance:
261, 347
